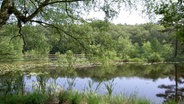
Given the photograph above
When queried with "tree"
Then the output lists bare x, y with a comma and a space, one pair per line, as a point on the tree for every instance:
55, 14
124, 47
171, 11
54, 11
172, 17
11, 48
62, 11
76, 39
35, 39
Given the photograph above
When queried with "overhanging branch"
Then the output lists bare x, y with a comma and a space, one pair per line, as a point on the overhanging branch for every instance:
45, 3
40, 7
59, 30
21, 35
64, 1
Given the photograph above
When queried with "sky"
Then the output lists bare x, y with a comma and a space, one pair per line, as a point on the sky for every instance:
124, 17
132, 18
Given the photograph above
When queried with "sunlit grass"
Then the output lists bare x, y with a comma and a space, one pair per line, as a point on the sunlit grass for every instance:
72, 97
32, 98
69, 97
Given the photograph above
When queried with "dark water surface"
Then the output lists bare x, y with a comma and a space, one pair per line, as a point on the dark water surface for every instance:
157, 82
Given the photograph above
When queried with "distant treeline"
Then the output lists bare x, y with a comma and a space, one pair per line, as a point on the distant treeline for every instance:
145, 42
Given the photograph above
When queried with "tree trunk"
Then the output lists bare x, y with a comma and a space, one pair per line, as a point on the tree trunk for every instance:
176, 47
4, 12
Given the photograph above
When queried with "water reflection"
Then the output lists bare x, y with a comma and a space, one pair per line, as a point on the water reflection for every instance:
159, 83
11, 83
175, 91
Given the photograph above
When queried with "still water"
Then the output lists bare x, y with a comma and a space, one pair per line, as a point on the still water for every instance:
157, 82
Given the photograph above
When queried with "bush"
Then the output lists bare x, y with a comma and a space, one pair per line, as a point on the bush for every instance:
10, 50
35, 55
33, 98
155, 52
36, 98
155, 57
93, 99
70, 97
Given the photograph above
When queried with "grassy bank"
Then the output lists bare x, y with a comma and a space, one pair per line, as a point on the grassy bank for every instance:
73, 97
69, 97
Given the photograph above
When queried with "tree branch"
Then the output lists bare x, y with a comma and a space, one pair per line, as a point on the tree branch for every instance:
33, 3
4, 12
58, 30
40, 7
20, 33
17, 13
7, 8
64, 1
46, 3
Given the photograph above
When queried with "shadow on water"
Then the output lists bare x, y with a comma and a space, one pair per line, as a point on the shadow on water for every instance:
157, 82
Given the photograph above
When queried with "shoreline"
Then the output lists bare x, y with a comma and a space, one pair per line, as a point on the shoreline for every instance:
24, 66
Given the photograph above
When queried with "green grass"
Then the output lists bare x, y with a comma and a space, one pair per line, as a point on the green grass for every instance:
33, 98
73, 97
69, 97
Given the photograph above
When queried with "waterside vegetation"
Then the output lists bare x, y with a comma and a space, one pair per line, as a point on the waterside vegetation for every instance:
69, 97
13, 88
100, 42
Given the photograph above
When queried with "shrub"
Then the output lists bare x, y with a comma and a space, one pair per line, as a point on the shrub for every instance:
70, 97
33, 98
36, 98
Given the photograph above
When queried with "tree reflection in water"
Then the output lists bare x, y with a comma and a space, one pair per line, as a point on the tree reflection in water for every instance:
12, 83
174, 92
57, 79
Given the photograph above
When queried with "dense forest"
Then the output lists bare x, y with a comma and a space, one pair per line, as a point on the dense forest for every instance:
97, 39
35, 29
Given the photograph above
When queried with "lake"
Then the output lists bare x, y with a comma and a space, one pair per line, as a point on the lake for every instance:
156, 82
